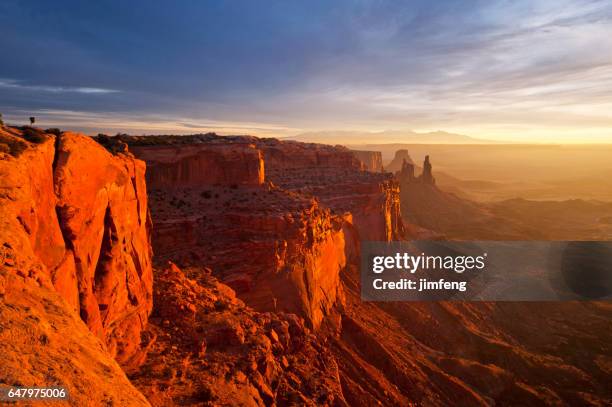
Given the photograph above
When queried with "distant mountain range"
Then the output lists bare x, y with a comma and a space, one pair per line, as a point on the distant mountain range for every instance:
388, 136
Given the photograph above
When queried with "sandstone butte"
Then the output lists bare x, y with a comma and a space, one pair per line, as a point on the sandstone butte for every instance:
255, 298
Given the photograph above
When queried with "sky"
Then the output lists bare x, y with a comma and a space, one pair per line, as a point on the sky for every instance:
529, 71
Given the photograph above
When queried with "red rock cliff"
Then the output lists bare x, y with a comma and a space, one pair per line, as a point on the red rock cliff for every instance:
279, 250
204, 161
293, 154
73, 241
81, 214
372, 199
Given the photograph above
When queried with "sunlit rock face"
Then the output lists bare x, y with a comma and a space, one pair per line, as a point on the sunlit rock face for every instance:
295, 155
202, 164
228, 354
279, 250
281, 240
81, 213
75, 265
372, 199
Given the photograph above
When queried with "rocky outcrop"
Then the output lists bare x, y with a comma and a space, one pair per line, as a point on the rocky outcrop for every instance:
73, 240
280, 245
280, 251
368, 201
406, 173
44, 343
81, 213
293, 154
212, 349
427, 176
398, 160
204, 163
371, 160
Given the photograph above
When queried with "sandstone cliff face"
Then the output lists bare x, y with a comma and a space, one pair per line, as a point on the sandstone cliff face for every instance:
82, 214
203, 163
73, 238
103, 214
43, 342
372, 199
293, 154
279, 251
371, 160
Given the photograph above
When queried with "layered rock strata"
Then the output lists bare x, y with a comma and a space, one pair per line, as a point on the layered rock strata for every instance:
81, 214
280, 246
371, 160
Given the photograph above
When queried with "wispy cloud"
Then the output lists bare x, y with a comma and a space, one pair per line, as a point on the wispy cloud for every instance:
20, 85
494, 69
116, 122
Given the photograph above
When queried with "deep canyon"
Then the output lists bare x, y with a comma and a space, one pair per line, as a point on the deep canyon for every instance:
210, 270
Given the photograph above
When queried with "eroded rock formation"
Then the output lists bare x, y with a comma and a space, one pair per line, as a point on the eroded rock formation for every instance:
294, 154
398, 160
371, 160
82, 214
212, 348
74, 240
368, 201
282, 244
427, 176
406, 173
281, 251
286, 242
201, 160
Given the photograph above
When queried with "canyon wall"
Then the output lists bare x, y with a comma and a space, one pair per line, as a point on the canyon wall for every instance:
75, 265
184, 165
371, 160
81, 214
280, 250
372, 199
293, 154
281, 242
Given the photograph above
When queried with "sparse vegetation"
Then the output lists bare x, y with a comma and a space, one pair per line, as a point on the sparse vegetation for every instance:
116, 144
13, 145
33, 135
54, 131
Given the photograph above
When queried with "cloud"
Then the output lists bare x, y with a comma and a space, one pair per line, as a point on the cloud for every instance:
13, 84
477, 66
114, 122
